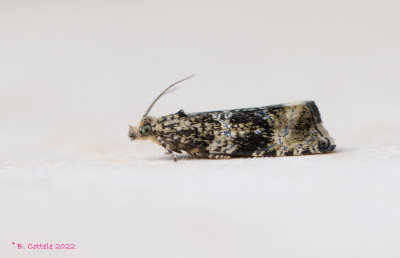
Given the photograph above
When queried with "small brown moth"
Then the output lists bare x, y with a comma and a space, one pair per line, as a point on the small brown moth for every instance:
278, 130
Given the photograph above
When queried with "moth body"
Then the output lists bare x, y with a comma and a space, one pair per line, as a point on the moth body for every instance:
279, 130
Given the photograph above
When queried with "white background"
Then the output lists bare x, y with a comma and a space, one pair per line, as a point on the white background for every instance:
75, 74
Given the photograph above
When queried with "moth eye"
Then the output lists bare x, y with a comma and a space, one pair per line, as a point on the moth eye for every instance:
146, 130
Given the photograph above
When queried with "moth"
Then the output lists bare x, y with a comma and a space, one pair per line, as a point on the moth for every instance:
270, 131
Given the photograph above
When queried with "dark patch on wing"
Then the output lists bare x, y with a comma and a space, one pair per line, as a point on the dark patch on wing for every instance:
181, 113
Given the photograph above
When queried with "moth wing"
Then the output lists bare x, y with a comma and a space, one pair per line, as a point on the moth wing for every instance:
279, 130
291, 129
191, 133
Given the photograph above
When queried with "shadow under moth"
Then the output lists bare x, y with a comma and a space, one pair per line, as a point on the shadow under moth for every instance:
270, 131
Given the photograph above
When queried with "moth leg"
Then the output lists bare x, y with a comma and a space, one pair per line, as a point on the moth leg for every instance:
193, 155
165, 145
194, 152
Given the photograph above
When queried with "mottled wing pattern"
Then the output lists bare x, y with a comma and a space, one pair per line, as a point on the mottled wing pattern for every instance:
280, 130
192, 133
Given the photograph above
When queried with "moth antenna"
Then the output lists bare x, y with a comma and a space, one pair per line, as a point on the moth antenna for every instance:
162, 93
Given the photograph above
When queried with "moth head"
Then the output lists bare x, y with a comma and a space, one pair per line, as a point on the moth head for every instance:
145, 130
133, 133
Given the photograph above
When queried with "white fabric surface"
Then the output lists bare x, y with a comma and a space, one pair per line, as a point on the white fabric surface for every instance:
75, 74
